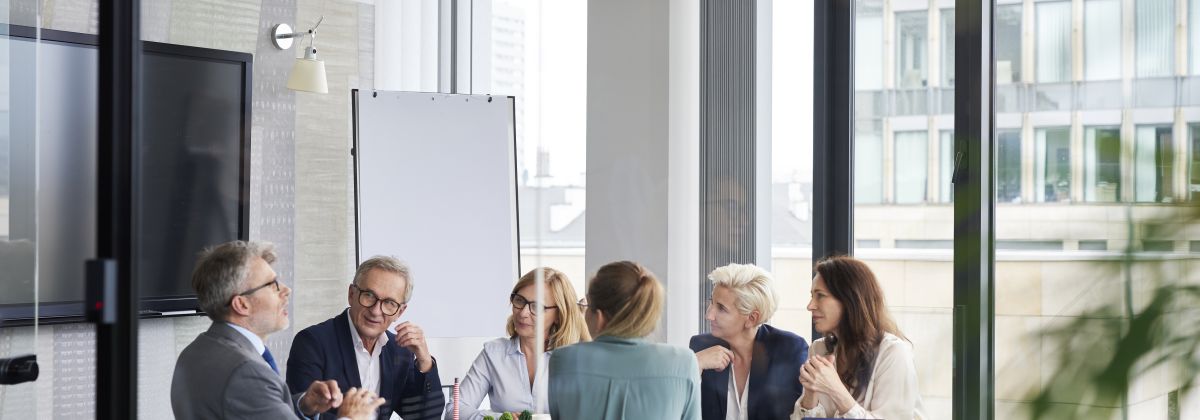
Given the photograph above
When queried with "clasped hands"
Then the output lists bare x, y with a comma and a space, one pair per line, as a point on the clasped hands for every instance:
819, 375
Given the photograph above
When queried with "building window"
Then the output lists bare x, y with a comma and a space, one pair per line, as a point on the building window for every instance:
1101, 52
911, 35
947, 47
946, 163
1053, 42
1155, 34
1194, 181
1052, 166
868, 168
1102, 164
1007, 35
1154, 164
912, 152
1008, 166
1194, 41
868, 47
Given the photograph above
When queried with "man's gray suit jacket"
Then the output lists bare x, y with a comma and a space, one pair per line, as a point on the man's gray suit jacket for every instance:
220, 376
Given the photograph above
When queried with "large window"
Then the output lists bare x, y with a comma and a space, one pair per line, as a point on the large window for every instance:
911, 45
1101, 40
946, 166
1008, 43
868, 168
1102, 164
1194, 164
1052, 165
1194, 36
1155, 37
947, 47
868, 51
1053, 42
1154, 163
1008, 166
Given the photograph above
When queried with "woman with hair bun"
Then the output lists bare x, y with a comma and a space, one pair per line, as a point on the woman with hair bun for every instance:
621, 375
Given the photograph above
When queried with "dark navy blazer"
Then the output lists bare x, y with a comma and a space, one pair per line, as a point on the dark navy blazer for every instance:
774, 375
326, 351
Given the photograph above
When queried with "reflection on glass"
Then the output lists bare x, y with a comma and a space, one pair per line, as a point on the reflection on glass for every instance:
1053, 42
1052, 167
1102, 164
1194, 166
1008, 166
1155, 37
1154, 163
911, 34
911, 173
1101, 60
1007, 35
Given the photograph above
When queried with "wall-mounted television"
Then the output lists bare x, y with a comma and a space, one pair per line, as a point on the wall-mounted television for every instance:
191, 173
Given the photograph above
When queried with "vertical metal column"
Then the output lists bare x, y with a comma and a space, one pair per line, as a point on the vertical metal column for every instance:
833, 129
974, 213
727, 138
119, 89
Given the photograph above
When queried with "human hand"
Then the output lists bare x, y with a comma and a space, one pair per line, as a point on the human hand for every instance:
819, 374
411, 337
360, 404
321, 397
714, 358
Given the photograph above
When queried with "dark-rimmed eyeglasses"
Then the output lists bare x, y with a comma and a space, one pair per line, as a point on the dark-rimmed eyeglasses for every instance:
583, 304
368, 299
519, 302
271, 283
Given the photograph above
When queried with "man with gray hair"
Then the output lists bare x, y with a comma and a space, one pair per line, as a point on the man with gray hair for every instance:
356, 349
227, 372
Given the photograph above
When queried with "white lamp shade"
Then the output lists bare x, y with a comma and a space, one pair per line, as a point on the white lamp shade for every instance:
308, 74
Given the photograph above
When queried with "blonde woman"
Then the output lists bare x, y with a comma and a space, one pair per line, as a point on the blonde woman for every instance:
506, 370
621, 375
748, 367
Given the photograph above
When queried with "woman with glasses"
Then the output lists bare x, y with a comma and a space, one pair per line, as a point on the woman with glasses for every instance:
748, 367
621, 375
506, 370
863, 367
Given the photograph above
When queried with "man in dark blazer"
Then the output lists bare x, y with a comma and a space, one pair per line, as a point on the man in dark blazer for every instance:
774, 375
227, 372
355, 348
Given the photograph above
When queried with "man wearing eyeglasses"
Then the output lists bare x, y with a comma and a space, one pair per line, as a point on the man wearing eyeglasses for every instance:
356, 349
228, 372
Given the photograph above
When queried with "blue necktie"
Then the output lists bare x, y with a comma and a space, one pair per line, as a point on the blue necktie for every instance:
270, 360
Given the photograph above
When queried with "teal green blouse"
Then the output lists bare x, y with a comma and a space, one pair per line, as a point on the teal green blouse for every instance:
621, 378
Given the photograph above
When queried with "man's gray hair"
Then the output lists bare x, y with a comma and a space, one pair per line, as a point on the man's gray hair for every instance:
221, 271
389, 264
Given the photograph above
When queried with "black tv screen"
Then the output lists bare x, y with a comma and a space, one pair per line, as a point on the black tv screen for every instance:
191, 170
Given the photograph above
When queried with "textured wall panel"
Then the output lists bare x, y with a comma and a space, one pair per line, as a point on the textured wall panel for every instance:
156, 363
71, 15
156, 20
273, 172
324, 264
18, 401
74, 371
221, 24
727, 137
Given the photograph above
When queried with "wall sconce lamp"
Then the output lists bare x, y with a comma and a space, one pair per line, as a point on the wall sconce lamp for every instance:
308, 73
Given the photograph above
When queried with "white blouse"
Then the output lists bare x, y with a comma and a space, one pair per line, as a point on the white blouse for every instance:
500, 373
893, 392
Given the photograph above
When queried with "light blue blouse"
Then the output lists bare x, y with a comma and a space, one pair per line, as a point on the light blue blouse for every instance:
500, 373
620, 378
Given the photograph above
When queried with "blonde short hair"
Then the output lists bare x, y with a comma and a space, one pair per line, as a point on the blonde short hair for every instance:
752, 286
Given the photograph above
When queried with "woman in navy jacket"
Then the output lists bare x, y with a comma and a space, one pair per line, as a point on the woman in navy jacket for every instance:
749, 370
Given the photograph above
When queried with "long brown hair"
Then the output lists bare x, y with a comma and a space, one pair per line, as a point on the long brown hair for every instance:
865, 319
629, 296
570, 327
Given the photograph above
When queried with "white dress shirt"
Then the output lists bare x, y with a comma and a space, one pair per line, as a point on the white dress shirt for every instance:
735, 405
892, 394
368, 361
500, 373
